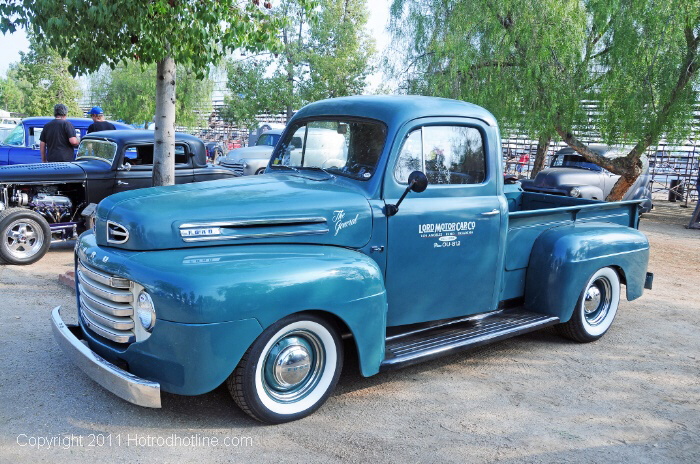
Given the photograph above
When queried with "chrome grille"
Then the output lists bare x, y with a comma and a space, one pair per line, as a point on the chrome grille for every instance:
105, 304
236, 167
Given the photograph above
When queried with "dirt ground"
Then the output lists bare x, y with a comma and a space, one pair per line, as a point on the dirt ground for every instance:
633, 396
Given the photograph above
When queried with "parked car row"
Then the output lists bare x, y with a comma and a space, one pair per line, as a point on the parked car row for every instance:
45, 201
21, 146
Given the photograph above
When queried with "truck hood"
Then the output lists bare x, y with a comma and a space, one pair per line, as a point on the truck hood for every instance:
255, 152
41, 172
556, 177
275, 208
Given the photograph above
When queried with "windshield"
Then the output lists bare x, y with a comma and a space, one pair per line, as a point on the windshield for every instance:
574, 161
348, 148
16, 137
269, 140
97, 149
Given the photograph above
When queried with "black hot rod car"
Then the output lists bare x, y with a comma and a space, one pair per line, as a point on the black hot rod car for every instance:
46, 201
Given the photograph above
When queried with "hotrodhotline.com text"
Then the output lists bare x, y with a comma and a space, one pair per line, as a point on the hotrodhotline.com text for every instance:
106, 440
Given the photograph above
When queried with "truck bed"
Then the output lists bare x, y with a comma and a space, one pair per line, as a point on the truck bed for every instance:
531, 213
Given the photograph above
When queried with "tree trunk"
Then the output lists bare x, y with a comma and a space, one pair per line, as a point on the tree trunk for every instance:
541, 155
290, 113
164, 150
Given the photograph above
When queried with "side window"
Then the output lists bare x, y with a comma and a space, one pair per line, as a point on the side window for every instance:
34, 136
448, 154
410, 158
142, 155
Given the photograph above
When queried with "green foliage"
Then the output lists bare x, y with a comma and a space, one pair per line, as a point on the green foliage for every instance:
534, 63
127, 91
194, 33
324, 54
39, 81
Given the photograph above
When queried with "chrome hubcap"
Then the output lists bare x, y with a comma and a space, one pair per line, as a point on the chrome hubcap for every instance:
596, 301
23, 238
293, 366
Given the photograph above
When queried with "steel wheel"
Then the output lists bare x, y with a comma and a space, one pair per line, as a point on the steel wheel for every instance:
596, 307
25, 235
289, 371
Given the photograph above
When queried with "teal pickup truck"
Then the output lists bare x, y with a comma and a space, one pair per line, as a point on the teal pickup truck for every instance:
397, 239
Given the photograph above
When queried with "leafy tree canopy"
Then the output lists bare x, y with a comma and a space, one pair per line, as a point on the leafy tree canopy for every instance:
37, 82
325, 53
126, 93
94, 32
536, 65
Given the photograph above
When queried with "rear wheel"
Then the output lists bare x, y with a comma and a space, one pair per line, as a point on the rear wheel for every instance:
289, 371
25, 235
596, 307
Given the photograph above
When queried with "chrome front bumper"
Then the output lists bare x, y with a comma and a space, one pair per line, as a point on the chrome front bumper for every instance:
118, 381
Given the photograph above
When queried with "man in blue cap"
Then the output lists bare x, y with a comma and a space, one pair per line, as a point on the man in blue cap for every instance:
99, 123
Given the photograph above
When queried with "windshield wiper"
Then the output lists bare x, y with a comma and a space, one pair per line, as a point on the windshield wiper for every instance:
318, 168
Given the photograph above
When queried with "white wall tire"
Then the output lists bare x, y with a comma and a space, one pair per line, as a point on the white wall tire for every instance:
595, 309
289, 371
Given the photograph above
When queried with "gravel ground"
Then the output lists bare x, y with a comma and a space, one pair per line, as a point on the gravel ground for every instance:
633, 396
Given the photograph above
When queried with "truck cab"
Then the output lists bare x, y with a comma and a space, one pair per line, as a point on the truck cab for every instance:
397, 234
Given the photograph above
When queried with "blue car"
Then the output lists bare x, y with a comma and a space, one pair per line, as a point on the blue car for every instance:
21, 146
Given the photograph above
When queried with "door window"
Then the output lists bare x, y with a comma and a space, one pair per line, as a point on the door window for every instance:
447, 155
142, 155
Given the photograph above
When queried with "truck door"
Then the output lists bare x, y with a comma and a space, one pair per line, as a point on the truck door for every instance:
444, 244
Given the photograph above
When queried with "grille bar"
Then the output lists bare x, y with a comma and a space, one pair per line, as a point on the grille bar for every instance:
104, 304
110, 334
108, 293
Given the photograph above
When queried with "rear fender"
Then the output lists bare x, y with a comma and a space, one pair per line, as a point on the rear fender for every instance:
564, 258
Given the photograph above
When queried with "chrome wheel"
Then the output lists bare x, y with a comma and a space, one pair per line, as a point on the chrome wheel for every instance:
596, 301
23, 239
293, 366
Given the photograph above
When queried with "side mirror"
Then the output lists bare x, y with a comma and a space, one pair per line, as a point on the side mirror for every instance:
125, 167
417, 182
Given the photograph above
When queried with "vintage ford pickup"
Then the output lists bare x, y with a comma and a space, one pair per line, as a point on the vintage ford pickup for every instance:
401, 244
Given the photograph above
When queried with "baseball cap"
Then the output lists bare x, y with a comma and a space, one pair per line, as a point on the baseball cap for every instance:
96, 110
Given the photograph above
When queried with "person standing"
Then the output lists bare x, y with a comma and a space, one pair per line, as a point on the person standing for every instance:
98, 121
58, 138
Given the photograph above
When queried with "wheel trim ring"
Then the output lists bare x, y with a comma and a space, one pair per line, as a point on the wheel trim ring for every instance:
309, 382
18, 229
599, 292
328, 373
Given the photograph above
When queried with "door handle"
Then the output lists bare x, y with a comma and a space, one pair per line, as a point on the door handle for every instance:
491, 213
119, 182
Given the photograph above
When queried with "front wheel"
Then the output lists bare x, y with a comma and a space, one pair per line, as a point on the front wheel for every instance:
595, 309
25, 235
289, 371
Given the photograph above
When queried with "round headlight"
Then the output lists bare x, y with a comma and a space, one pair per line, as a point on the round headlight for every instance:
145, 311
575, 192
245, 165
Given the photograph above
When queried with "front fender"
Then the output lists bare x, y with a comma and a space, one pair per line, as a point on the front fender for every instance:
563, 259
259, 282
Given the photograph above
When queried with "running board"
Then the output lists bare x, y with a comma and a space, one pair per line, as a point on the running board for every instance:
423, 345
